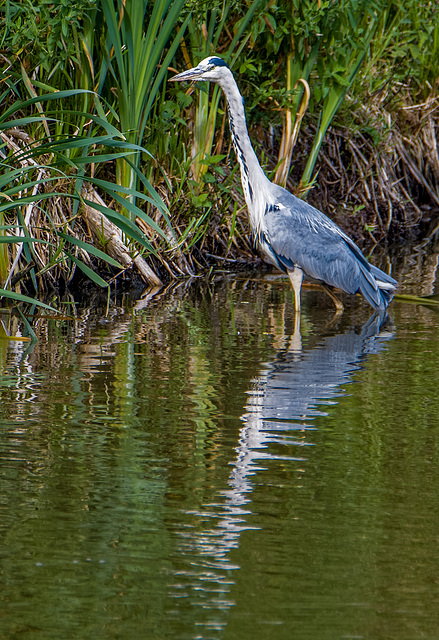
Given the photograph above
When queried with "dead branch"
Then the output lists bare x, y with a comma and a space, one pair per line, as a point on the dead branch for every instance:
109, 235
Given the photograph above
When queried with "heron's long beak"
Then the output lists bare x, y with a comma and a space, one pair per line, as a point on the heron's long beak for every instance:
190, 74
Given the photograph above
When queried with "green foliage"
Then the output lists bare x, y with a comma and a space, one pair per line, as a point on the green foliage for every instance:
46, 29
323, 45
41, 186
18, 297
348, 60
119, 49
136, 38
406, 48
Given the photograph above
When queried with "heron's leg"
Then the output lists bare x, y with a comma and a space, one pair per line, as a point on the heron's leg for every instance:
338, 303
296, 338
296, 277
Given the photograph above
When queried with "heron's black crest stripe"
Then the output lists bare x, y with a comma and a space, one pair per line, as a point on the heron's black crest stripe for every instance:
218, 62
269, 208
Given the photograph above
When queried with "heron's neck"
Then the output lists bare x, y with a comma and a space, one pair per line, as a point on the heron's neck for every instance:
253, 177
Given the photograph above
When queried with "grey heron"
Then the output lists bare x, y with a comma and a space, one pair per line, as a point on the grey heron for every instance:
293, 235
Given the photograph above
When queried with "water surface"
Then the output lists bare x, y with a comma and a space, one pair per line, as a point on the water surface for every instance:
190, 466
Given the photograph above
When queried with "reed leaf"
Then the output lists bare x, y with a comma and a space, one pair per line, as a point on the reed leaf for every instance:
87, 271
134, 47
351, 55
21, 105
89, 248
40, 171
125, 225
19, 297
17, 240
27, 326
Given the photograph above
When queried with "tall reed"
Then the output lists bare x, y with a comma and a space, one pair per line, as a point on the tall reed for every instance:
141, 40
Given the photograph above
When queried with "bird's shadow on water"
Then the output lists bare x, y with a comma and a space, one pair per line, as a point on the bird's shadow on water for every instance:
291, 390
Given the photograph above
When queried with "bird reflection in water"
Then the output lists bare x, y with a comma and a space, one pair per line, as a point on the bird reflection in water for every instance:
291, 390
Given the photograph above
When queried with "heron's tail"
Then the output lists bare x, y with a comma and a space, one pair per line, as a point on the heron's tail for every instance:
386, 283
378, 287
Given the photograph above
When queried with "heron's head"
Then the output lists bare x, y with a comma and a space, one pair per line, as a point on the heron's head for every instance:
211, 68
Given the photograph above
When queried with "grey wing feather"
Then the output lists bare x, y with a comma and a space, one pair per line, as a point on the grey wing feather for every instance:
299, 234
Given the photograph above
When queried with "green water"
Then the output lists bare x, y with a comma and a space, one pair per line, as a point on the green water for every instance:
189, 467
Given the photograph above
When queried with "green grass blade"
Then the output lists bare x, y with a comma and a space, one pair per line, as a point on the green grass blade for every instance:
124, 224
20, 240
19, 297
28, 326
90, 249
87, 271
21, 105
116, 190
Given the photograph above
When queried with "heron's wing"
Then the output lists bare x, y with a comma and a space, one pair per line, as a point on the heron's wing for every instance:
299, 234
